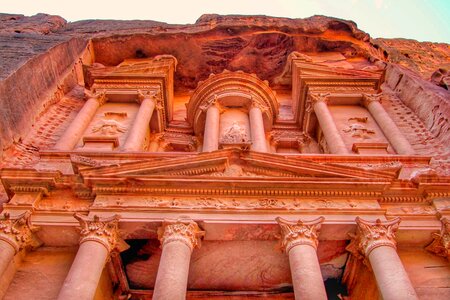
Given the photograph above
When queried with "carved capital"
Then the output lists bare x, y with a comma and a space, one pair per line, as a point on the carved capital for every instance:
210, 102
318, 97
299, 233
441, 241
151, 95
370, 235
257, 104
185, 231
99, 95
101, 230
18, 231
369, 98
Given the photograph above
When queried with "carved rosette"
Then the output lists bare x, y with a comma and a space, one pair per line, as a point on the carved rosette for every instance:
18, 231
369, 98
299, 233
370, 235
441, 241
185, 231
101, 230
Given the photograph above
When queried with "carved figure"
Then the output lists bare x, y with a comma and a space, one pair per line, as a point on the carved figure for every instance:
108, 127
235, 134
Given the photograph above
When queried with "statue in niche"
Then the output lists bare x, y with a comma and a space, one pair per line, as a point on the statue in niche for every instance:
235, 134
109, 124
359, 130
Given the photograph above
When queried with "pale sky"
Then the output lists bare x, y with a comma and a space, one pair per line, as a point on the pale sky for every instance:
423, 20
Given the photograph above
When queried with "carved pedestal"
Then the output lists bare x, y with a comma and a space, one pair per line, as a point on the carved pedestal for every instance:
299, 240
178, 239
73, 134
98, 238
15, 233
376, 242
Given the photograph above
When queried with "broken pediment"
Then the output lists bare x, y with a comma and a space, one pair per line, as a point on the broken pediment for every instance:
232, 163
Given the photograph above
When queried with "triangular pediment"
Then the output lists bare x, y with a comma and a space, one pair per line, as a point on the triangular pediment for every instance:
234, 163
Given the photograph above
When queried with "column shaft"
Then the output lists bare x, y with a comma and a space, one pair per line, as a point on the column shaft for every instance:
392, 279
389, 128
211, 134
84, 275
7, 253
259, 142
306, 275
334, 139
73, 134
173, 270
140, 126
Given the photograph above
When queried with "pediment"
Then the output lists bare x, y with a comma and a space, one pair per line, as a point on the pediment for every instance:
234, 163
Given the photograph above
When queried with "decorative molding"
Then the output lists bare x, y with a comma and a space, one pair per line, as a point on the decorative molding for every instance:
441, 241
181, 230
299, 233
101, 230
370, 235
18, 231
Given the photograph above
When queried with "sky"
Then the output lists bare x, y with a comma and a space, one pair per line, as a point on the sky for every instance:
423, 20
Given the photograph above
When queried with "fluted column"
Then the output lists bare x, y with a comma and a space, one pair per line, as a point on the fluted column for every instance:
15, 233
73, 134
299, 240
259, 142
441, 241
141, 123
211, 133
375, 241
178, 239
334, 139
373, 104
99, 236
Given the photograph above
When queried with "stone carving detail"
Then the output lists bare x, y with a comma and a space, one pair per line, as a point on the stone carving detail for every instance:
18, 231
370, 235
441, 241
359, 131
318, 97
235, 134
101, 230
182, 230
99, 95
110, 124
368, 98
299, 233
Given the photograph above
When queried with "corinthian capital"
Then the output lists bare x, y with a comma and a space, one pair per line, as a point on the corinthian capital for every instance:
99, 95
441, 241
101, 230
185, 231
152, 95
370, 235
299, 233
318, 97
18, 231
369, 98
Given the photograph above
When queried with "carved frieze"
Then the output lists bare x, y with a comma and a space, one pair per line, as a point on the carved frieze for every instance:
101, 230
299, 233
370, 235
185, 231
18, 231
441, 241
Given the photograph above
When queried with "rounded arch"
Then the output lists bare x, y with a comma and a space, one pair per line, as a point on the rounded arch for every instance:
234, 90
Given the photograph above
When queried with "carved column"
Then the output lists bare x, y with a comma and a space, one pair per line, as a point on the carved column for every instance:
376, 242
373, 104
299, 240
334, 139
211, 134
99, 236
73, 134
141, 123
441, 241
178, 239
16, 233
259, 142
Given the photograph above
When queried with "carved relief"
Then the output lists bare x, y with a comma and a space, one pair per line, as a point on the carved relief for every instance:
101, 230
358, 130
299, 233
110, 124
235, 134
18, 231
181, 230
441, 241
370, 235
